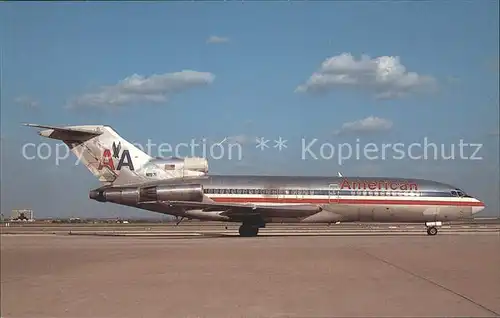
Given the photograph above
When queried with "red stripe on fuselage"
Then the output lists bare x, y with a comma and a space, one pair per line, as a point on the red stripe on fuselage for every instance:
346, 201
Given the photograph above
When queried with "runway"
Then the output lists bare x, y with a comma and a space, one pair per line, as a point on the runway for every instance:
202, 229
212, 273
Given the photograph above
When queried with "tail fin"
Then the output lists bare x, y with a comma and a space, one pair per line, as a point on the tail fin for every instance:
107, 155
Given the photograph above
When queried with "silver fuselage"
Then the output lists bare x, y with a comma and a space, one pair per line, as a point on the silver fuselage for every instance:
346, 199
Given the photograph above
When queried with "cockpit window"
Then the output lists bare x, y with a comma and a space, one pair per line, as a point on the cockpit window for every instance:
459, 193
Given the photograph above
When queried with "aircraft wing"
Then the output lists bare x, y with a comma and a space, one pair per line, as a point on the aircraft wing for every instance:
237, 211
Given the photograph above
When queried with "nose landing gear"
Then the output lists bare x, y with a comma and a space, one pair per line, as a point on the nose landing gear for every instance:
432, 230
432, 227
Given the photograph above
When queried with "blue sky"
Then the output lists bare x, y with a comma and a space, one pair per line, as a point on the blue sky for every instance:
62, 64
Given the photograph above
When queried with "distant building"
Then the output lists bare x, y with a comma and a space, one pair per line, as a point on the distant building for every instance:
22, 215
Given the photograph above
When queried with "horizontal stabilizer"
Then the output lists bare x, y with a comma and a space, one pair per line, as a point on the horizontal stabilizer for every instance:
101, 150
67, 133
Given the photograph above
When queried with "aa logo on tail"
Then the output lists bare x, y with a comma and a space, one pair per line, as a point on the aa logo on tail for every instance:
107, 158
116, 149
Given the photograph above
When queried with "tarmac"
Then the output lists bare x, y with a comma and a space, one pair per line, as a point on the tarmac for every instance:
192, 271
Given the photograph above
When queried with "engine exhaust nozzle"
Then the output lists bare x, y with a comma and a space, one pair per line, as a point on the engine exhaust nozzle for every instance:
97, 195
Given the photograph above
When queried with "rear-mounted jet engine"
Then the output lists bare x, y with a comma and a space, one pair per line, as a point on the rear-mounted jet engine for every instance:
130, 196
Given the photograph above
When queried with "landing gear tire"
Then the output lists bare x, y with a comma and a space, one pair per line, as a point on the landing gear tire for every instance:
432, 230
248, 230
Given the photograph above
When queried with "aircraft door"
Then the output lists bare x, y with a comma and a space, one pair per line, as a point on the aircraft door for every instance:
461, 210
334, 193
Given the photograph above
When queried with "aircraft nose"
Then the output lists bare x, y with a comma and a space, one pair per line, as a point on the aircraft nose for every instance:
478, 207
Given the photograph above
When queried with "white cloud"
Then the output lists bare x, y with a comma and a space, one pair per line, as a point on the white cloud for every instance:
157, 88
384, 76
214, 39
369, 124
26, 101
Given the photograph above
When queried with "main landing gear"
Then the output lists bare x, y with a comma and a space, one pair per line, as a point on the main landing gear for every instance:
432, 227
248, 230
251, 229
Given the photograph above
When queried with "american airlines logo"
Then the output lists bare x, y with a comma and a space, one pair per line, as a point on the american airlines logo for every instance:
124, 159
378, 185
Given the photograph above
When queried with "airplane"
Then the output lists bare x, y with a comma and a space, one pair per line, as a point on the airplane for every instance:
132, 178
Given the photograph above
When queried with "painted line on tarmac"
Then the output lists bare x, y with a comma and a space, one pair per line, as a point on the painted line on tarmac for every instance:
266, 230
281, 233
264, 234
